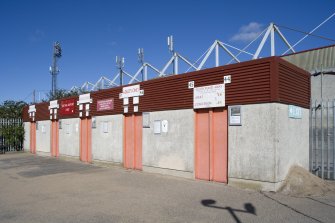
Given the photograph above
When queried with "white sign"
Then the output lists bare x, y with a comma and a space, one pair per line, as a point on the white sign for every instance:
235, 113
84, 98
125, 101
53, 104
32, 109
227, 79
131, 91
165, 125
294, 112
157, 127
136, 100
146, 120
190, 84
105, 127
67, 129
209, 96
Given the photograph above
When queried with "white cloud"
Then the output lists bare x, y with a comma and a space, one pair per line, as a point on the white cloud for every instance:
248, 32
112, 43
36, 36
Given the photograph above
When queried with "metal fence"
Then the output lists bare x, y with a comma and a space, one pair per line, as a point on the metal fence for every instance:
11, 135
322, 135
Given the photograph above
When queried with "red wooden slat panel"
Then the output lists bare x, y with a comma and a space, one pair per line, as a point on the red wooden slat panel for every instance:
258, 81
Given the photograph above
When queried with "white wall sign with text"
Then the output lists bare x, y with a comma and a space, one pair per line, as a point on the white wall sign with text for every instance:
210, 96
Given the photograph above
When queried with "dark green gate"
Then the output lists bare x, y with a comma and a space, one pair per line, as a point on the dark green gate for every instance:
11, 135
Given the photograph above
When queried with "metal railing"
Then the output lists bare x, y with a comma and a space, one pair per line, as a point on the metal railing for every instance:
322, 135
11, 135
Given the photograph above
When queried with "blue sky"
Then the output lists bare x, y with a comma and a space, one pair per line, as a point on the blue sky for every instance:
93, 32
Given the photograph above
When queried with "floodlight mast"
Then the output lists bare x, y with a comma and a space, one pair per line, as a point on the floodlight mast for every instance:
57, 53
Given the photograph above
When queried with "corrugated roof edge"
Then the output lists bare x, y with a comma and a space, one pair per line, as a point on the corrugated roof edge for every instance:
313, 49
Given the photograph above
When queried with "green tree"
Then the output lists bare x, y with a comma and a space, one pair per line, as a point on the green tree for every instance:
62, 93
11, 109
11, 128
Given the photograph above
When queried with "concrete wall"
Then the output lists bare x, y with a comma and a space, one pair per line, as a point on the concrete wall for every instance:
43, 137
328, 90
69, 137
293, 141
261, 151
173, 150
107, 138
26, 142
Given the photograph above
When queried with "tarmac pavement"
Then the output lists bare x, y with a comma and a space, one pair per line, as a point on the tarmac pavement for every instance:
43, 189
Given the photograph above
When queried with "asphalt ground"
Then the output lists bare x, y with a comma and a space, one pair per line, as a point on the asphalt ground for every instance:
43, 189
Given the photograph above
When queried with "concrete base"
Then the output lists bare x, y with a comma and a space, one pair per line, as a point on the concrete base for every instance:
43, 153
104, 163
66, 157
254, 185
176, 173
26, 142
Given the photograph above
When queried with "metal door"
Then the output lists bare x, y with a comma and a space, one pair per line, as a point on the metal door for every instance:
54, 138
85, 140
211, 144
33, 137
132, 142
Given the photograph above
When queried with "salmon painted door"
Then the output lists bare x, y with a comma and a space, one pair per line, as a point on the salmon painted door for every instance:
33, 137
85, 140
202, 138
132, 142
211, 145
54, 137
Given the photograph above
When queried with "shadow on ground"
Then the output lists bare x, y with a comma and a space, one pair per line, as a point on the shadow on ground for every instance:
248, 208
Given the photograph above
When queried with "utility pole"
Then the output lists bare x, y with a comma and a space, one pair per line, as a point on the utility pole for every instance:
171, 49
34, 96
120, 65
140, 55
57, 53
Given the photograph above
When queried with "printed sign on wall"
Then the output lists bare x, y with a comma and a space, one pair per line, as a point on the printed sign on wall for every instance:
131, 91
106, 104
67, 107
209, 96
294, 112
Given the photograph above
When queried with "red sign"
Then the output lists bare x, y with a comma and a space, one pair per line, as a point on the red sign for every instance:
67, 107
107, 104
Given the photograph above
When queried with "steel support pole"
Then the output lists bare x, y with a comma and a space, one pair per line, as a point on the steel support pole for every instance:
145, 72
316, 132
217, 55
311, 137
328, 142
175, 64
333, 139
322, 143
272, 41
